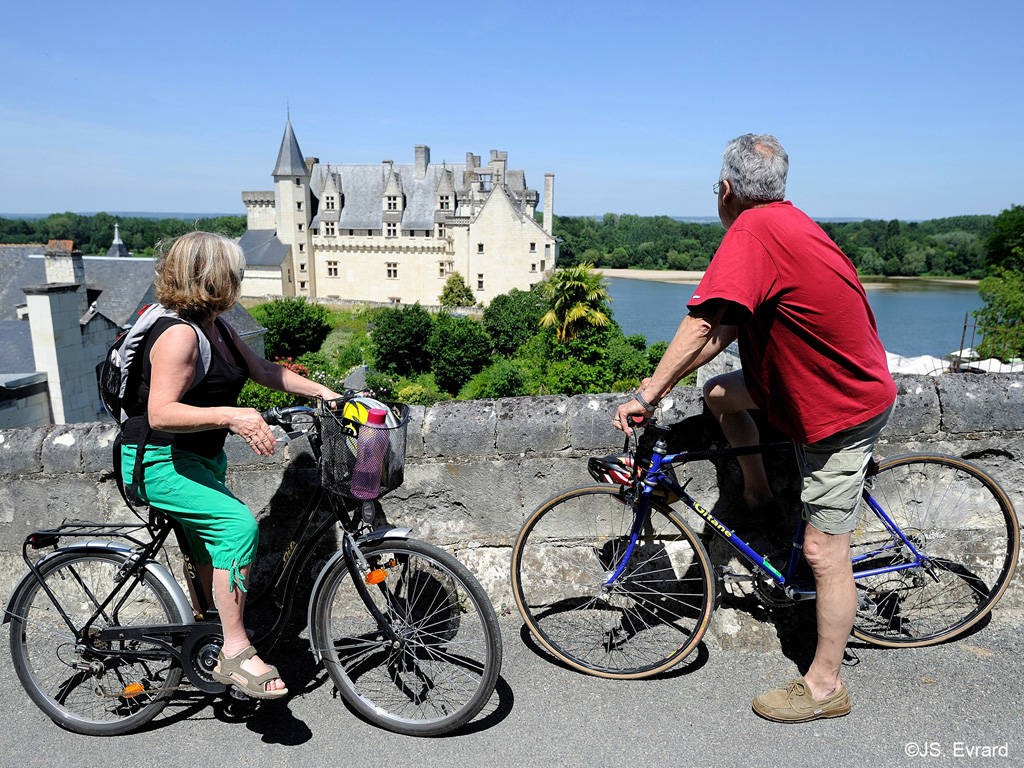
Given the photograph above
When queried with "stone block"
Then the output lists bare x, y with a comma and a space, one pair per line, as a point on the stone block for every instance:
414, 432
982, 402
460, 430
917, 408
98, 447
21, 451
532, 425
62, 449
590, 424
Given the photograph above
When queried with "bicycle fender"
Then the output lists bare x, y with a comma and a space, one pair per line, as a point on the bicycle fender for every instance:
155, 569
388, 533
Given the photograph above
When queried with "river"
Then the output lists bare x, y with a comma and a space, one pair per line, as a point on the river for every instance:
916, 318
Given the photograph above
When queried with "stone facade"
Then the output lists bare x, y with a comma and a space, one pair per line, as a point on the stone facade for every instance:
476, 469
395, 233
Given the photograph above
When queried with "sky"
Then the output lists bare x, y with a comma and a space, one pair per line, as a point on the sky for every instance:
906, 110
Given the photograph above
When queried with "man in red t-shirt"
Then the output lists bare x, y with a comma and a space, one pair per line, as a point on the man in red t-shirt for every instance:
812, 361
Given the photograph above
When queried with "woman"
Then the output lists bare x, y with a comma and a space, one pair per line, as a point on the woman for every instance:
184, 425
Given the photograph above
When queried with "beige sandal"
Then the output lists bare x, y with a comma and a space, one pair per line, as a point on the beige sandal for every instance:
230, 672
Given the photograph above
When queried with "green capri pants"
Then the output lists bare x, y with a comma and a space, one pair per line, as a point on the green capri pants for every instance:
219, 529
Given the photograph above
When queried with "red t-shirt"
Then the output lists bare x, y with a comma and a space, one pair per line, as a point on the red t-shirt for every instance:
808, 342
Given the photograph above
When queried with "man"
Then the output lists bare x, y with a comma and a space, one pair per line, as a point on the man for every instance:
812, 361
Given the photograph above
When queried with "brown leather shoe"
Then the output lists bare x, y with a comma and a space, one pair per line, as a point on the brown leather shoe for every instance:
794, 703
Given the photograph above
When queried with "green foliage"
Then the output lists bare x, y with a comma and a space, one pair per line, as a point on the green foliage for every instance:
261, 398
577, 299
293, 325
512, 318
1001, 319
93, 235
321, 369
503, 378
1005, 244
400, 338
456, 293
459, 347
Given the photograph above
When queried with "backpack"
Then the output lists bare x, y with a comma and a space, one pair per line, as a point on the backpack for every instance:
112, 376
112, 372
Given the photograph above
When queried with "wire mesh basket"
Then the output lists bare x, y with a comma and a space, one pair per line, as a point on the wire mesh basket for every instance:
368, 471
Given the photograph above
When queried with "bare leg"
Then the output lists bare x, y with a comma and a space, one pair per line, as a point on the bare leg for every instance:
231, 606
836, 606
205, 573
730, 402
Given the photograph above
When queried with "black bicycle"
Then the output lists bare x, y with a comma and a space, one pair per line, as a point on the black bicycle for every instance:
102, 634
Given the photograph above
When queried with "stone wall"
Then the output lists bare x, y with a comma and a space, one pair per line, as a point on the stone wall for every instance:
476, 469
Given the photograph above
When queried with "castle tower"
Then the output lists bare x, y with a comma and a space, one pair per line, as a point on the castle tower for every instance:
292, 204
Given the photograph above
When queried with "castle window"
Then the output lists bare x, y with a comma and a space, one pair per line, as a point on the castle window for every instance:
351, 232
392, 229
302, 285
392, 203
298, 205
298, 182
444, 202
441, 230
480, 281
533, 267
329, 228
392, 267
479, 247
302, 247
302, 267
332, 269
542, 266
300, 226
533, 247
329, 203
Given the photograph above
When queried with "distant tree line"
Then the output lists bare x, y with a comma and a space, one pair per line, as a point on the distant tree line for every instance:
938, 247
93, 235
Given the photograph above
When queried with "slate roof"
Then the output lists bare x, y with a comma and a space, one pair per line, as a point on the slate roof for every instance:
16, 355
263, 249
289, 158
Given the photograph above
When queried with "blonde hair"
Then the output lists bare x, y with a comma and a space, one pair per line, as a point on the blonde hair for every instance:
199, 274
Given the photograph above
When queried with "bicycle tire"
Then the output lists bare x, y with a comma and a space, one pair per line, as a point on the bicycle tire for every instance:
79, 691
653, 617
962, 521
444, 669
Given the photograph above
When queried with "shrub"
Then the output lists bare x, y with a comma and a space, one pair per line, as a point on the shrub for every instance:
293, 326
400, 339
459, 347
456, 293
512, 318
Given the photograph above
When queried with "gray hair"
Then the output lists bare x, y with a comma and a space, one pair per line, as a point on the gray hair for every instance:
756, 168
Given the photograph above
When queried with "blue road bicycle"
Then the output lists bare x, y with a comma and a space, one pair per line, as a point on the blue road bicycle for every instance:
612, 582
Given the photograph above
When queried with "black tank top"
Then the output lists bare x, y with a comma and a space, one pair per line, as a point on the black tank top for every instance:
221, 386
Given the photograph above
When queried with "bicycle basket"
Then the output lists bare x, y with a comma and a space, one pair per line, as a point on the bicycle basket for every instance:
340, 434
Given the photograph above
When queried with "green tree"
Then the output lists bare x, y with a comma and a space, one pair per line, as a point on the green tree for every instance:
456, 293
1005, 245
512, 318
459, 348
1001, 319
576, 299
400, 338
294, 326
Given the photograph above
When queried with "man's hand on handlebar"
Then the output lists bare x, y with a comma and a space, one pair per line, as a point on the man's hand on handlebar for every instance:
630, 414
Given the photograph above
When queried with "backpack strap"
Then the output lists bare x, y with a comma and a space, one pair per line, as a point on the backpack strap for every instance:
134, 339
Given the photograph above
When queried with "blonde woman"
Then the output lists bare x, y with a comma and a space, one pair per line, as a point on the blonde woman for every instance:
183, 425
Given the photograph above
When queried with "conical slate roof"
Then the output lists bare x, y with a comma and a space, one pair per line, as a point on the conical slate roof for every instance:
289, 159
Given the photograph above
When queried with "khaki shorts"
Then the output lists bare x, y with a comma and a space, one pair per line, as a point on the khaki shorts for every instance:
833, 475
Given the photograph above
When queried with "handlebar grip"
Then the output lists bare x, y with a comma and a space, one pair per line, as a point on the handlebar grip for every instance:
272, 415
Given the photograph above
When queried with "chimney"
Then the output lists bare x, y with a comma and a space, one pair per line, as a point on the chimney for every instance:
549, 201
63, 265
422, 160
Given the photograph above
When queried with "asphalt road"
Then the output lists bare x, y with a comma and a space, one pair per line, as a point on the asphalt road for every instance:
956, 704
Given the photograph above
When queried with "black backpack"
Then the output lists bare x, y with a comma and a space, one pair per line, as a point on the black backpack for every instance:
112, 375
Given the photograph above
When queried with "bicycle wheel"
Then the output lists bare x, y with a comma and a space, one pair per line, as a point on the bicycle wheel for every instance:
656, 612
443, 667
958, 518
85, 691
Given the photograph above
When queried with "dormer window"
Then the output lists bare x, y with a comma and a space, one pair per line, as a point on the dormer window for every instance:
391, 202
329, 203
444, 202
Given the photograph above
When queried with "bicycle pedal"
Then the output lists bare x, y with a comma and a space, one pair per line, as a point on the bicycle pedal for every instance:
731, 576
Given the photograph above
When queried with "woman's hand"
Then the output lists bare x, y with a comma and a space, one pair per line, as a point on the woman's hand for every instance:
248, 423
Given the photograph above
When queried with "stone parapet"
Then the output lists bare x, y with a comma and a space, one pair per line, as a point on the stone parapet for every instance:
476, 469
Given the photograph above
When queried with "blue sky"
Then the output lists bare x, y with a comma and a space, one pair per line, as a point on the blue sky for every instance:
888, 110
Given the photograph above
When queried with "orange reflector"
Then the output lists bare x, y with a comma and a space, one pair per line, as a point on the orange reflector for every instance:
376, 576
133, 689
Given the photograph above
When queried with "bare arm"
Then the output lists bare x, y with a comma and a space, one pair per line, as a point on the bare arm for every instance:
698, 339
275, 376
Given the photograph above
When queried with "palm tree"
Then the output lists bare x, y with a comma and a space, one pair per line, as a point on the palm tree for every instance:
576, 298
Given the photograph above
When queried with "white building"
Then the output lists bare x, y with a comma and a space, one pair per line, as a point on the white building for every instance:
387, 232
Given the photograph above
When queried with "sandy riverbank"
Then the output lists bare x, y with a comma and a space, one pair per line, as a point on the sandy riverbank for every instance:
689, 277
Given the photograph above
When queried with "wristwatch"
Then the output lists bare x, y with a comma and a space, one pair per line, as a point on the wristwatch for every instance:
640, 399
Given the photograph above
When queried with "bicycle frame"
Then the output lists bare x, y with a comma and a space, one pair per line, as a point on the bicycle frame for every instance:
658, 478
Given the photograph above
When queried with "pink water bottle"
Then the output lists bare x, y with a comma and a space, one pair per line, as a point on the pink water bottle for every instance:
372, 447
